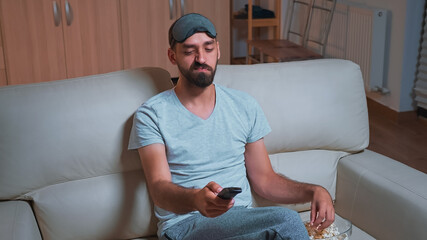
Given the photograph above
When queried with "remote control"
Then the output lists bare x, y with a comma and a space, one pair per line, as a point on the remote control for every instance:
229, 192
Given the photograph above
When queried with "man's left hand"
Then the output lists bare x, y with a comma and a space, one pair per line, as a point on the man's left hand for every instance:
322, 209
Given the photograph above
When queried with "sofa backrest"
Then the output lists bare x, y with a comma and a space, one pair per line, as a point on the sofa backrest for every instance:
63, 145
317, 104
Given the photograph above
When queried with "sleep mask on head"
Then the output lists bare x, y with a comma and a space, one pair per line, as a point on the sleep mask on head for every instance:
188, 25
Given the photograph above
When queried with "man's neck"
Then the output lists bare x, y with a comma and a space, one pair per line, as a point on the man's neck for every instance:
199, 101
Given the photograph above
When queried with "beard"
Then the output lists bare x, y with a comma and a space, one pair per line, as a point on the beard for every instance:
199, 79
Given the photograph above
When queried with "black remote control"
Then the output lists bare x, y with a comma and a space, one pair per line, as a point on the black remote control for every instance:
229, 192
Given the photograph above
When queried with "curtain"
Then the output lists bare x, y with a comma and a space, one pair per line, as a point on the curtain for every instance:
421, 81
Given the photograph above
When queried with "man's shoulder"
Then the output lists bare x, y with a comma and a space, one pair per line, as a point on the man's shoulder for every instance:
236, 95
159, 99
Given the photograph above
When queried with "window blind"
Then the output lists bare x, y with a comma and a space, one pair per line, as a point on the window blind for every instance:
421, 81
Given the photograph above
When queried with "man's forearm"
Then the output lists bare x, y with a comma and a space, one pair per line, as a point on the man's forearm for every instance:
172, 197
181, 200
281, 189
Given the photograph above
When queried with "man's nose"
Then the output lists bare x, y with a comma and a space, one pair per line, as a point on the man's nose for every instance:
201, 56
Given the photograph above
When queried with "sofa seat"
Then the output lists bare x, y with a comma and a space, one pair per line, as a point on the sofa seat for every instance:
17, 221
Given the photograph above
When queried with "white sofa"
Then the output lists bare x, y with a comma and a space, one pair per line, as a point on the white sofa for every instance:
66, 173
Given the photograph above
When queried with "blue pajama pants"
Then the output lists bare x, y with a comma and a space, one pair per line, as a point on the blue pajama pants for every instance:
241, 223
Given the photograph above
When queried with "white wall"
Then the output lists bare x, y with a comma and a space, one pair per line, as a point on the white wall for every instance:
405, 33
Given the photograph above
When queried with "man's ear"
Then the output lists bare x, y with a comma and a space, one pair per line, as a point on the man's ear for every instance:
172, 56
219, 53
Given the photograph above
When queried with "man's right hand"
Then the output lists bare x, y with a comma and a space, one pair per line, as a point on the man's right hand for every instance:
207, 202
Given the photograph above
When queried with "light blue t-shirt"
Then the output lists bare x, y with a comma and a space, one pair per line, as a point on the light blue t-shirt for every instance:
199, 151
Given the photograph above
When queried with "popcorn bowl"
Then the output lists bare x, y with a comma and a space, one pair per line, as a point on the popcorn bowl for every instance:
340, 229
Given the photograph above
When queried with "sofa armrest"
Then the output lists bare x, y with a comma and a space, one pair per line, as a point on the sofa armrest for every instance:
17, 221
385, 198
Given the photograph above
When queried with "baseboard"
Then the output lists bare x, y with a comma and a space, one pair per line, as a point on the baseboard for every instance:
390, 113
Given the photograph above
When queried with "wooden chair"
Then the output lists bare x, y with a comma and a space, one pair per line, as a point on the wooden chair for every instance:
306, 34
319, 25
253, 24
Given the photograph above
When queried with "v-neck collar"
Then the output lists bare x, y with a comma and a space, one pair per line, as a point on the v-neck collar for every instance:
192, 115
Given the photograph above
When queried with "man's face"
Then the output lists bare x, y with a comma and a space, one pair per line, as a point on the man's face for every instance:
197, 58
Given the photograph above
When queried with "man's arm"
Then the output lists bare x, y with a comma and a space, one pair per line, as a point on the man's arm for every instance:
172, 197
280, 189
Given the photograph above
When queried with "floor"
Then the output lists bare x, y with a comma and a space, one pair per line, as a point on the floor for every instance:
403, 140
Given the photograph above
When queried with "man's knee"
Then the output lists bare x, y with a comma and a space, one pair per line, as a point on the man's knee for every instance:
282, 215
289, 224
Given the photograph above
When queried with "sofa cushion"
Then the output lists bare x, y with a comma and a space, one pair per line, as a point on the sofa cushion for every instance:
311, 166
316, 104
72, 129
382, 196
115, 206
17, 221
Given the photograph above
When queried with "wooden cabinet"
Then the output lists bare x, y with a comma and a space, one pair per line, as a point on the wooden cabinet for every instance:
44, 40
92, 37
33, 45
146, 25
48, 40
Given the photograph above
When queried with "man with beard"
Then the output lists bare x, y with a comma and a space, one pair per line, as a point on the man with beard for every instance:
200, 137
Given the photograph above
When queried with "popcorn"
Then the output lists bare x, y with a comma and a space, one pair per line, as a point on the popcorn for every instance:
330, 232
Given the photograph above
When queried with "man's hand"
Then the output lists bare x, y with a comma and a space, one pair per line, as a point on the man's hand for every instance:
207, 202
322, 210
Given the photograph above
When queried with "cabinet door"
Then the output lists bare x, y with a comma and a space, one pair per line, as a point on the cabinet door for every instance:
145, 25
92, 36
218, 12
33, 43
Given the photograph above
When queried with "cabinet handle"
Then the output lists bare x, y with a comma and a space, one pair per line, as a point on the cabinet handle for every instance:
56, 14
68, 13
182, 7
171, 9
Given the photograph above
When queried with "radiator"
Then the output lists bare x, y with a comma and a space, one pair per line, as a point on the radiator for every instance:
360, 34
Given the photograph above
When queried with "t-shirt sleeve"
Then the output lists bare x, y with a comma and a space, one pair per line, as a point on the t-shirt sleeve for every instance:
145, 130
259, 125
